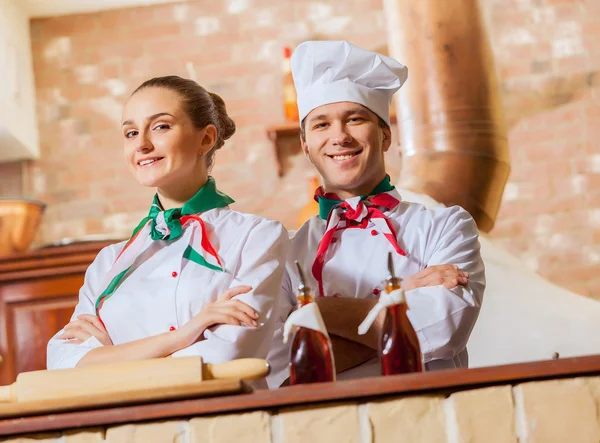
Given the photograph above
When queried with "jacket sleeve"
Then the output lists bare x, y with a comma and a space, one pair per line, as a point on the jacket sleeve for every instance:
63, 354
262, 267
444, 318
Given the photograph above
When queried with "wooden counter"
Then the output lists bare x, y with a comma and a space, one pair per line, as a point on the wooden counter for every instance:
38, 292
378, 388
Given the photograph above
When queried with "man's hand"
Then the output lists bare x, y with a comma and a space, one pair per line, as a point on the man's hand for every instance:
447, 275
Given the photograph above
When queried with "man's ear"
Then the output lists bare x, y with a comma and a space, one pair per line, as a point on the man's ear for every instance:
387, 138
306, 150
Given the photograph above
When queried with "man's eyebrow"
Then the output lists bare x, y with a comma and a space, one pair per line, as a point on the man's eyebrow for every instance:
318, 117
356, 111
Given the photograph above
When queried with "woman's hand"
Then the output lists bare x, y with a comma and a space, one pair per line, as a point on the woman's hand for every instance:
84, 327
224, 311
447, 275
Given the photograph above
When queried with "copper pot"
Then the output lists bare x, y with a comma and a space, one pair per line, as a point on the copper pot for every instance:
19, 222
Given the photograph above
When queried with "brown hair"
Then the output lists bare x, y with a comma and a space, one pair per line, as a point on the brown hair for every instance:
201, 106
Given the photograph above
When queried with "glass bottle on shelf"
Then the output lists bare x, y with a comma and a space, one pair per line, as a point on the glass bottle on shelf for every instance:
290, 105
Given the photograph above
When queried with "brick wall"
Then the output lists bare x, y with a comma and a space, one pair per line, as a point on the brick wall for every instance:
11, 185
548, 54
86, 65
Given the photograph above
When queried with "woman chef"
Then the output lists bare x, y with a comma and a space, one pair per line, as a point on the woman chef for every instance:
196, 278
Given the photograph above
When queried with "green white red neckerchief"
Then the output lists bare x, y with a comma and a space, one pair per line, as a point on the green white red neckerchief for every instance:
170, 225
354, 212
327, 200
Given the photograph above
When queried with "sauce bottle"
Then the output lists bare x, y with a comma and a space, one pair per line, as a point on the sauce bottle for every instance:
311, 356
290, 105
399, 349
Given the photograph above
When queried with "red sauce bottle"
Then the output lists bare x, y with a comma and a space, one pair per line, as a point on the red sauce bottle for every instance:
311, 356
399, 351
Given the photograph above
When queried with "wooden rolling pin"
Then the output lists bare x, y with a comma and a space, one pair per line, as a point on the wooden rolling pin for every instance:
121, 378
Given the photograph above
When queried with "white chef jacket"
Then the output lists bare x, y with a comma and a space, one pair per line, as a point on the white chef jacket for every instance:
356, 266
165, 291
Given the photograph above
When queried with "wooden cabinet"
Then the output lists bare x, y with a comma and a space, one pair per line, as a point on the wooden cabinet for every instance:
38, 292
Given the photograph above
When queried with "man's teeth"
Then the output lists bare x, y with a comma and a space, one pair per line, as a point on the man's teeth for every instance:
147, 162
343, 157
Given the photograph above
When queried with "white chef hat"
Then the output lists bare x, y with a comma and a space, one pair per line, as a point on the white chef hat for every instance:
327, 72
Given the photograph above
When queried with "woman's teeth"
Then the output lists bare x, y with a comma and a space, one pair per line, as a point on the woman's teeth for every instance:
147, 162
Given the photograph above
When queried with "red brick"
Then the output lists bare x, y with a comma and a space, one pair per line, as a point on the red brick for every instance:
592, 112
571, 65
262, 34
509, 227
126, 204
197, 9
593, 198
561, 2
94, 226
204, 55
560, 204
48, 79
590, 27
562, 119
83, 45
111, 70
573, 11
542, 152
147, 68
171, 44
124, 50
122, 19
515, 208
71, 25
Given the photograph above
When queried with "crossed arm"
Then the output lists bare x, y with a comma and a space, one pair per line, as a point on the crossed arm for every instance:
226, 310
343, 315
215, 333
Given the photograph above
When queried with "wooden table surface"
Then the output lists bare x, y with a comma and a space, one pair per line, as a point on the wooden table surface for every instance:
446, 381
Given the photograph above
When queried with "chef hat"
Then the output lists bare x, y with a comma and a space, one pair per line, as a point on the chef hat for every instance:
336, 71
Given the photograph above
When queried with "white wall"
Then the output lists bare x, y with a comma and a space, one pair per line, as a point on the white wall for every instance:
18, 124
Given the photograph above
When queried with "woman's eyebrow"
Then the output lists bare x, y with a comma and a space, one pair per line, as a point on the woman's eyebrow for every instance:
152, 117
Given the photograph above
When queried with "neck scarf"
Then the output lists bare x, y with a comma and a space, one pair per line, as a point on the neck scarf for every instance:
167, 226
354, 212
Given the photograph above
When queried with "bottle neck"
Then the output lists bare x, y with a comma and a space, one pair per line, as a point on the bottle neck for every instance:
392, 284
395, 284
305, 297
